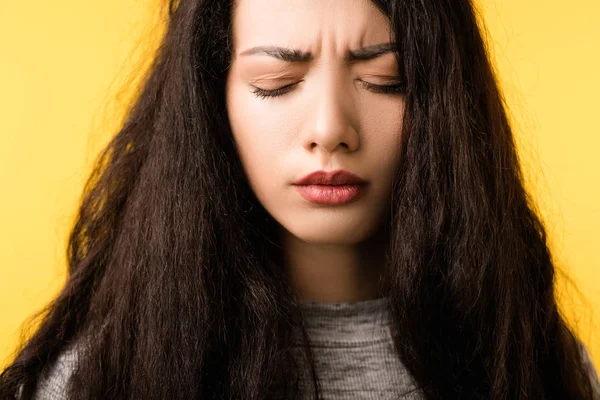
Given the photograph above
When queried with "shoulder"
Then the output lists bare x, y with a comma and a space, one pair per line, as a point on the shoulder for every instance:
587, 359
52, 383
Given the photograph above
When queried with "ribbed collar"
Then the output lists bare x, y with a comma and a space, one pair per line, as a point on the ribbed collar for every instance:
339, 324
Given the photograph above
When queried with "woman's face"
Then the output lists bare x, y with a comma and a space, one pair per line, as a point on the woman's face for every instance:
327, 119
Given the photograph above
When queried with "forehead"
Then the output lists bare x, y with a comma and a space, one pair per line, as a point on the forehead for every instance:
308, 23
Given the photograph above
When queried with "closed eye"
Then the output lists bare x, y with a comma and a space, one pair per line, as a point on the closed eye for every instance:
263, 93
394, 88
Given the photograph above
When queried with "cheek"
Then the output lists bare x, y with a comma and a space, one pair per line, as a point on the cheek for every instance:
260, 137
384, 124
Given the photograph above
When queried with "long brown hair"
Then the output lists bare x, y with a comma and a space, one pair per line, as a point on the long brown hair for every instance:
175, 287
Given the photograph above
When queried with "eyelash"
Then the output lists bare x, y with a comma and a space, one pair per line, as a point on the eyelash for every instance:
383, 89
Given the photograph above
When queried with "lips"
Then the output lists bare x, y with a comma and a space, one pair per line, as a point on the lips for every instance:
332, 195
331, 188
339, 177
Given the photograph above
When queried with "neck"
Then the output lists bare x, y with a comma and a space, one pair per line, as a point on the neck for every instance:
334, 272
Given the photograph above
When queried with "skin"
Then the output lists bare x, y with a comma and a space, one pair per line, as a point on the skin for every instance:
329, 120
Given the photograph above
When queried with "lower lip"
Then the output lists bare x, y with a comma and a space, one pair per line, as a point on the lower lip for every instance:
331, 194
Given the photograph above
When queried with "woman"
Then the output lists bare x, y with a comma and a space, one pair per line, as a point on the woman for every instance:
219, 252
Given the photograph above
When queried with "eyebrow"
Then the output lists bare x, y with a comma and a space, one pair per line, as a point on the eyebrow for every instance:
295, 55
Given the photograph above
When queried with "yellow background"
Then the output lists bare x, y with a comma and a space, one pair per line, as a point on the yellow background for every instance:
63, 63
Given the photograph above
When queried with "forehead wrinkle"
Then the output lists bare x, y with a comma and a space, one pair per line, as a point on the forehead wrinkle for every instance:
337, 25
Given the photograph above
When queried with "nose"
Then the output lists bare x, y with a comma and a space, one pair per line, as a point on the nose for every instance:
333, 116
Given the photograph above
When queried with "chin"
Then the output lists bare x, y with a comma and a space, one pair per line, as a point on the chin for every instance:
342, 233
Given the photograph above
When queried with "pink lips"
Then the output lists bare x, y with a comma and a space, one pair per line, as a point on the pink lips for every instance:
331, 188
339, 177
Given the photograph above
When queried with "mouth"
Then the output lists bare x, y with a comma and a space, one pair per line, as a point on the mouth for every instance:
332, 194
337, 178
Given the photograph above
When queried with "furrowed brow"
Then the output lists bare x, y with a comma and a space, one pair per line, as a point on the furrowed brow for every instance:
295, 55
370, 52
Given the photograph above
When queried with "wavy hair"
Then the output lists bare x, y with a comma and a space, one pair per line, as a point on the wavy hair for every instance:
175, 281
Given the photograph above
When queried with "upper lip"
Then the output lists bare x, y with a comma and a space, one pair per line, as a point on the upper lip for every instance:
339, 177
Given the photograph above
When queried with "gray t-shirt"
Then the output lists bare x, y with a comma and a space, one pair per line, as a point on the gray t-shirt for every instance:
354, 351
354, 355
